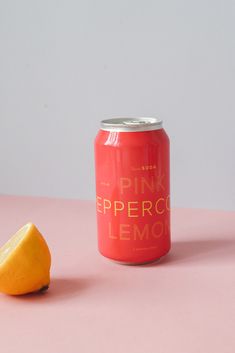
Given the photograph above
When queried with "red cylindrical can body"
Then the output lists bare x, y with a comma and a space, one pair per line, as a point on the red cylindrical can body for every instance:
133, 194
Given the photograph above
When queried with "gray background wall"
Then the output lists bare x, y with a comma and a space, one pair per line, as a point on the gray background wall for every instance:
65, 65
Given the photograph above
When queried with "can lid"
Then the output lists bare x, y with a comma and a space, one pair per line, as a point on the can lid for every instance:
131, 124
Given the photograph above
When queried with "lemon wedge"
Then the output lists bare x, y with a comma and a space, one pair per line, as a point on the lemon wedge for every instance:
25, 262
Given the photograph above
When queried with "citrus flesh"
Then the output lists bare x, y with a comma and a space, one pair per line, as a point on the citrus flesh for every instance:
25, 262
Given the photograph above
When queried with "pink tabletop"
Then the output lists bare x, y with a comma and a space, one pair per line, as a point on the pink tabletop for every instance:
183, 304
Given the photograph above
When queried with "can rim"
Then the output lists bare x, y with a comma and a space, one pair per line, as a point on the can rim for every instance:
134, 124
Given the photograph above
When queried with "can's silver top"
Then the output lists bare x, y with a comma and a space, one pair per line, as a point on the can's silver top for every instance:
131, 124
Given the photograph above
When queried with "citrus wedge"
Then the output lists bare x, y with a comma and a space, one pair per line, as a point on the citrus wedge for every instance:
25, 262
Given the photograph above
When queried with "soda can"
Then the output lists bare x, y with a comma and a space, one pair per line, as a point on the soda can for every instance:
132, 190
